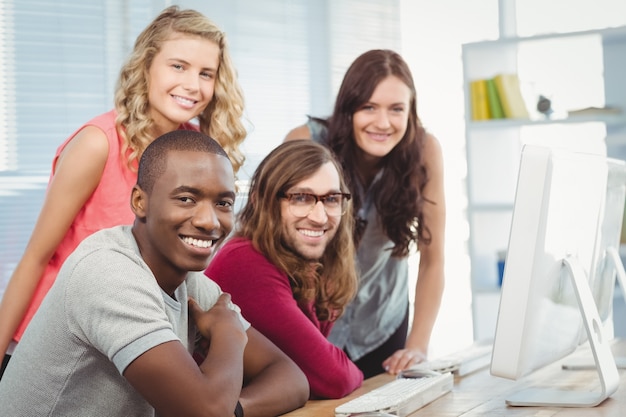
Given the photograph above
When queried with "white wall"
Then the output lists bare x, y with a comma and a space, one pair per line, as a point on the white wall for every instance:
433, 33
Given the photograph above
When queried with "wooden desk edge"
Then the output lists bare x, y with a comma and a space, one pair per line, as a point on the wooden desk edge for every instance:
480, 381
322, 408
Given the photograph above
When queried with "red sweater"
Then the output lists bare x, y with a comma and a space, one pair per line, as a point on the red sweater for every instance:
264, 295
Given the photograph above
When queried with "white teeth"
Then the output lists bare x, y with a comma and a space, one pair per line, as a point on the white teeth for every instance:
312, 233
198, 243
184, 100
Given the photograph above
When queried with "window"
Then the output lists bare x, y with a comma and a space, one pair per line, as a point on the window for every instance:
60, 61
291, 56
50, 53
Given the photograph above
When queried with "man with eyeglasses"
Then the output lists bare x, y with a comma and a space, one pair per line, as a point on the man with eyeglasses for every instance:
290, 263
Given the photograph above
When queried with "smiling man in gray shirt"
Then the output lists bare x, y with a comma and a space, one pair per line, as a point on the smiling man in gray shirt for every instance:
116, 333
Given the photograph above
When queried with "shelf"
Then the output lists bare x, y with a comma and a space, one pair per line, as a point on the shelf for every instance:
609, 120
482, 207
550, 64
487, 290
615, 34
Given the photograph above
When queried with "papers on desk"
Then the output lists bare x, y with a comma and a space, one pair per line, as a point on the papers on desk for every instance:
594, 111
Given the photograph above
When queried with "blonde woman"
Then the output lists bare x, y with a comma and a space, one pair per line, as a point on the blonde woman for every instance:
180, 69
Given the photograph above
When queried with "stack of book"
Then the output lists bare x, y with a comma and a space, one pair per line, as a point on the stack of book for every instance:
499, 97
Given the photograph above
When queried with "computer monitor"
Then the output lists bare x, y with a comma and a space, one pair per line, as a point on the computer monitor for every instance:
560, 272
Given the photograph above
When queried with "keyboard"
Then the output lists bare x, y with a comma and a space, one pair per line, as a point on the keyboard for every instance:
460, 363
400, 397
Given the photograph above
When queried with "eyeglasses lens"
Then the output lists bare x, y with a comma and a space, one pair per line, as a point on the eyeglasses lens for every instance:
302, 204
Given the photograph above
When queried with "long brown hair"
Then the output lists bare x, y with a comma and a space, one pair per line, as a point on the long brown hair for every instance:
222, 117
399, 196
332, 282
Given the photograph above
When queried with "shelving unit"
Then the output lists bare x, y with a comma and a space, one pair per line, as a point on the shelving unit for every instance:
596, 77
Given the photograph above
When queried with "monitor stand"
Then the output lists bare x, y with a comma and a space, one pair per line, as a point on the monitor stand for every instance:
576, 364
600, 347
619, 269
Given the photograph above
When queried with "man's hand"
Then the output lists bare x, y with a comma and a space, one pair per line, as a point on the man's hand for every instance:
218, 318
175, 385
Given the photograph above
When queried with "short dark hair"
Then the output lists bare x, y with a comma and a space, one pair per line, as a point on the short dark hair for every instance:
154, 159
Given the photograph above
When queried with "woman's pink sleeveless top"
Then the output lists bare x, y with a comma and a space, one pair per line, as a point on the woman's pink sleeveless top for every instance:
108, 206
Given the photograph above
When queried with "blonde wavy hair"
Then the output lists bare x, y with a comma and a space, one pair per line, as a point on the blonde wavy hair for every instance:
220, 120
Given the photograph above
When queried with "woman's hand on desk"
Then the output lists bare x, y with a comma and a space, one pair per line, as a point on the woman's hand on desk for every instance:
402, 359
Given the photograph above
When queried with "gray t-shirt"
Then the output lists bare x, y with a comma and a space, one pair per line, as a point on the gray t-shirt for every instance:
103, 311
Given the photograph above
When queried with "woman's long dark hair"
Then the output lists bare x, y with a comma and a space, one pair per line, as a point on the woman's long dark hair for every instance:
398, 196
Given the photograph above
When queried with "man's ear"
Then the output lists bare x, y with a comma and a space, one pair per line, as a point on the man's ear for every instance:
253, 197
138, 202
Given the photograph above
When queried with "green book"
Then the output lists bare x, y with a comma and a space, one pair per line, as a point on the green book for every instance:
495, 105
511, 96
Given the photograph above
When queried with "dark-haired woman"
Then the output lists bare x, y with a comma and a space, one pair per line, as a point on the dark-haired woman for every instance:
394, 169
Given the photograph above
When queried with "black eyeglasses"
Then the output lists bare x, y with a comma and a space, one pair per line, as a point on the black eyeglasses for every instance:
302, 204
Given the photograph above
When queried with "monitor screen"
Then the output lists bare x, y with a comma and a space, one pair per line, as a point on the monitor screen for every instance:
556, 280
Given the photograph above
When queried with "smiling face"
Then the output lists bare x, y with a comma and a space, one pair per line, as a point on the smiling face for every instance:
308, 236
181, 80
188, 212
381, 122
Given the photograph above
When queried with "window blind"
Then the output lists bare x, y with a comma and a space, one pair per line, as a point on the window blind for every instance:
59, 62
291, 56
